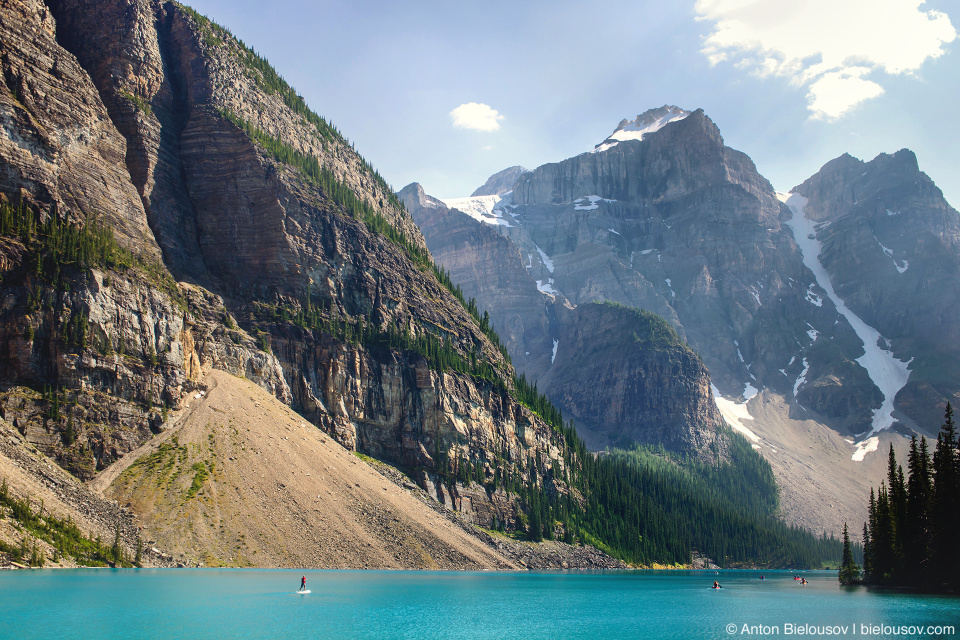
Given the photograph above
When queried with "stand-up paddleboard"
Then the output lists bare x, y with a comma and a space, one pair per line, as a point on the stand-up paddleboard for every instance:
303, 593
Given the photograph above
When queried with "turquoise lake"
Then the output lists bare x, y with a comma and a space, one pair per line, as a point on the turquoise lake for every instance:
242, 603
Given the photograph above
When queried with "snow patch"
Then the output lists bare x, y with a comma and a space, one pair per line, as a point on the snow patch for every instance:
802, 378
889, 254
637, 129
593, 200
556, 343
613, 231
486, 209
812, 297
813, 333
547, 262
749, 392
547, 288
867, 446
887, 372
673, 294
734, 414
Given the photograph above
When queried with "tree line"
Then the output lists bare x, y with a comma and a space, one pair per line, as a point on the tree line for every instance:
910, 538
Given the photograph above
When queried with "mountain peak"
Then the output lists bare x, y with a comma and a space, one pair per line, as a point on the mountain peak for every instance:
644, 124
500, 182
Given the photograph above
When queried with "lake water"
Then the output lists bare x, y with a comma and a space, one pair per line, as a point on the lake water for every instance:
242, 603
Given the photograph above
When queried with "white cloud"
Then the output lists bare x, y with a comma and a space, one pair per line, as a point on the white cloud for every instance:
476, 116
828, 46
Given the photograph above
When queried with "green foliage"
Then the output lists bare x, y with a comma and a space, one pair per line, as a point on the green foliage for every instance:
849, 572
58, 243
650, 508
200, 476
337, 191
909, 538
528, 395
648, 327
151, 356
61, 533
57, 248
138, 102
440, 353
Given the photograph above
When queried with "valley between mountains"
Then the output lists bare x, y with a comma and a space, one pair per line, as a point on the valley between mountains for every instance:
225, 340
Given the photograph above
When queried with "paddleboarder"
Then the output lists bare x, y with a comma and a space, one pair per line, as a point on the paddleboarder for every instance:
303, 583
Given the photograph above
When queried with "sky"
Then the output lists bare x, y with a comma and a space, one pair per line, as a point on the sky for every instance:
448, 93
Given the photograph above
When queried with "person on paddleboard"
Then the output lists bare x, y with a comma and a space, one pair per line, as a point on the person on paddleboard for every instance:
303, 583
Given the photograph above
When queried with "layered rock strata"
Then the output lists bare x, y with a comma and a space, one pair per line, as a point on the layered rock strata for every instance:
205, 157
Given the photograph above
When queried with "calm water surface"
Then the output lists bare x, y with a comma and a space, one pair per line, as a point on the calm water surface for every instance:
210, 603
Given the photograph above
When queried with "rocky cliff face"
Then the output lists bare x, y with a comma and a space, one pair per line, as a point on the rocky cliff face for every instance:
626, 378
588, 359
500, 182
672, 221
294, 265
891, 245
59, 145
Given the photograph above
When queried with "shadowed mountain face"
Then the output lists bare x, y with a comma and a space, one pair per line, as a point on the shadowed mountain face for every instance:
822, 315
891, 245
662, 216
623, 376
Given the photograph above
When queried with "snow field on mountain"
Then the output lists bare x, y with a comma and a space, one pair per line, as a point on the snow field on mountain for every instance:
638, 128
887, 372
735, 413
487, 209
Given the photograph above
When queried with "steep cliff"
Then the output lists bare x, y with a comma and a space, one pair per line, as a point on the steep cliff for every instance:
891, 245
588, 359
59, 145
625, 377
778, 294
294, 264
663, 216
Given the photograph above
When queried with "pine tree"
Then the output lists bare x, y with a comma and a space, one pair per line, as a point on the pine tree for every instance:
917, 542
849, 570
897, 500
867, 553
945, 503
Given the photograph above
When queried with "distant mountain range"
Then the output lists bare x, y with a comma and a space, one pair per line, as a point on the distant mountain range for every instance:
835, 302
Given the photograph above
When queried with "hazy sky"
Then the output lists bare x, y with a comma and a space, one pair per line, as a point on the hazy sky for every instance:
448, 93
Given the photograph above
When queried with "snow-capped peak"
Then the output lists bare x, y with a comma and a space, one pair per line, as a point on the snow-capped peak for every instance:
646, 123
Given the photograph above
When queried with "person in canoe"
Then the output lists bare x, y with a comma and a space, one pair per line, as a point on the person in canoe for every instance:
303, 583
716, 585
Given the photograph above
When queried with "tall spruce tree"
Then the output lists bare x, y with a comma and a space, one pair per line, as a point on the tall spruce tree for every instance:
897, 504
944, 517
917, 543
849, 570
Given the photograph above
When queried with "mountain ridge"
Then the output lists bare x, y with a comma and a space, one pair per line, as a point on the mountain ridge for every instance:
678, 224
